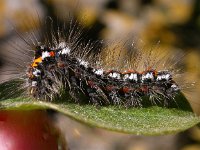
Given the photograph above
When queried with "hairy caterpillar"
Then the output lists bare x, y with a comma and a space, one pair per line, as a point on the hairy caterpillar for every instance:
63, 62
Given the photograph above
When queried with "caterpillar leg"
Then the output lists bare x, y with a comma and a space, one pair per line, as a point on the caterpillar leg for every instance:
133, 100
96, 95
114, 96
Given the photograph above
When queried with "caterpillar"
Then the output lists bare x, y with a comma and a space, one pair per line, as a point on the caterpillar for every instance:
65, 63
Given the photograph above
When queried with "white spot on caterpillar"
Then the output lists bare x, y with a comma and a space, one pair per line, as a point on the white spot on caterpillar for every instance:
159, 77
163, 77
84, 63
114, 75
65, 49
36, 72
133, 76
147, 76
34, 83
98, 72
45, 55
126, 76
167, 76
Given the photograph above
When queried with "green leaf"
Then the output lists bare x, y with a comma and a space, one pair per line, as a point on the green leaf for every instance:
152, 120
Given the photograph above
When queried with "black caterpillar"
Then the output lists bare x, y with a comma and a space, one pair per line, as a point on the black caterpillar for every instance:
57, 69
68, 65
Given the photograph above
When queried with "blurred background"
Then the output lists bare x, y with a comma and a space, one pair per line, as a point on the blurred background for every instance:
174, 24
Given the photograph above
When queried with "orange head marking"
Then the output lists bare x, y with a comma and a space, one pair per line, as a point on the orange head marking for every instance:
36, 61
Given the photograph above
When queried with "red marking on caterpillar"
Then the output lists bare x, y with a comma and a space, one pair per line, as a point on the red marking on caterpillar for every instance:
65, 62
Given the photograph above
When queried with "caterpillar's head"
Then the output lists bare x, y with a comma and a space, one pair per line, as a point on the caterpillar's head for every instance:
41, 73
